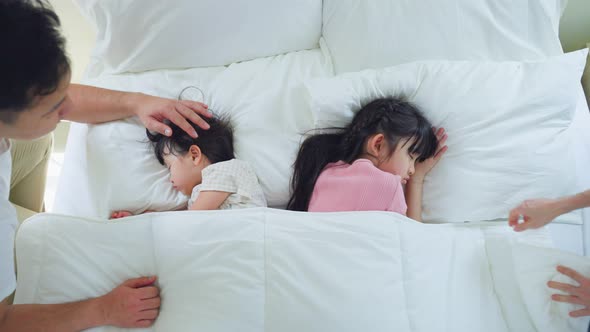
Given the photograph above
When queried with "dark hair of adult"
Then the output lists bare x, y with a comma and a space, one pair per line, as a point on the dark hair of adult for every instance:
34, 60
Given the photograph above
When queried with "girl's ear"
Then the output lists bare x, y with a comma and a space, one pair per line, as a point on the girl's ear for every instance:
376, 145
195, 153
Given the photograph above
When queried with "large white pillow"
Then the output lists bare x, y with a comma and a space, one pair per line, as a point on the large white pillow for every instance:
507, 124
138, 35
364, 34
123, 174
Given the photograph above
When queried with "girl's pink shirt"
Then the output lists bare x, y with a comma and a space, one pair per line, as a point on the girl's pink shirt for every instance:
359, 186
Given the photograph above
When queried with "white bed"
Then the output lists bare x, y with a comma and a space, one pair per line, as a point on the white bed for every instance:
279, 69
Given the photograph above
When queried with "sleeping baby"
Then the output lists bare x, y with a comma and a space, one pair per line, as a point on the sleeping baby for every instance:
205, 169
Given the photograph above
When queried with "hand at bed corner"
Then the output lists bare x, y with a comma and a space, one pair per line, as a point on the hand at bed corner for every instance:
133, 304
152, 111
426, 166
120, 214
576, 294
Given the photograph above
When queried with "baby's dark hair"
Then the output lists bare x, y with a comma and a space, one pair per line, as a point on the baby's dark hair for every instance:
396, 119
216, 143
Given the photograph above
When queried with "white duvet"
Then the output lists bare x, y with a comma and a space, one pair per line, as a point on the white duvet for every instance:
274, 270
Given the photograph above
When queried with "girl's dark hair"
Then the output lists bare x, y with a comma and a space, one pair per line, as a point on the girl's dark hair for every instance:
34, 60
394, 118
216, 143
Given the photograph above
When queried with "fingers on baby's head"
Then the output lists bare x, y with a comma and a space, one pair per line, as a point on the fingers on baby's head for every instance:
216, 142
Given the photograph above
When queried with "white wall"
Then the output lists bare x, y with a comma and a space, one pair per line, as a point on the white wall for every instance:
79, 33
80, 36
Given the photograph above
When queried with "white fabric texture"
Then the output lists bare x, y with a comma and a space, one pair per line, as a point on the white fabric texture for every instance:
533, 268
263, 98
380, 33
122, 173
507, 124
272, 270
139, 35
8, 223
233, 176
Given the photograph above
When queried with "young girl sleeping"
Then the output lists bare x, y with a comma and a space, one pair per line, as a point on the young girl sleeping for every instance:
205, 169
377, 163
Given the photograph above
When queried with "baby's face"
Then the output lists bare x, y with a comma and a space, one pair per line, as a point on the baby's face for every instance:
184, 173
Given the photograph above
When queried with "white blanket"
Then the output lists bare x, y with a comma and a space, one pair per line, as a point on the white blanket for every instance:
274, 270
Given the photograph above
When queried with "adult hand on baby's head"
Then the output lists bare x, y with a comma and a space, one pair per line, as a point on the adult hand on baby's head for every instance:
536, 213
577, 294
133, 304
152, 111
426, 166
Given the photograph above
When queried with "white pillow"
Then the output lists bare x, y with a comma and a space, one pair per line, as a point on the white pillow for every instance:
124, 173
506, 121
138, 35
364, 34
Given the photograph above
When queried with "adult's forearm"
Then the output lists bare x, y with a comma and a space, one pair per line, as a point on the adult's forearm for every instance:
574, 202
75, 316
97, 105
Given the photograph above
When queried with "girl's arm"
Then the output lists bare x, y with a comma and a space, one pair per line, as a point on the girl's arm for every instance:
413, 193
209, 200
414, 187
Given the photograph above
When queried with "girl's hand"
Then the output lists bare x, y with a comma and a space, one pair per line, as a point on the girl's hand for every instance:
120, 214
424, 167
576, 294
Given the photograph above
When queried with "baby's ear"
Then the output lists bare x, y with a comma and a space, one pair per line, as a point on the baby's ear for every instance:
195, 153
